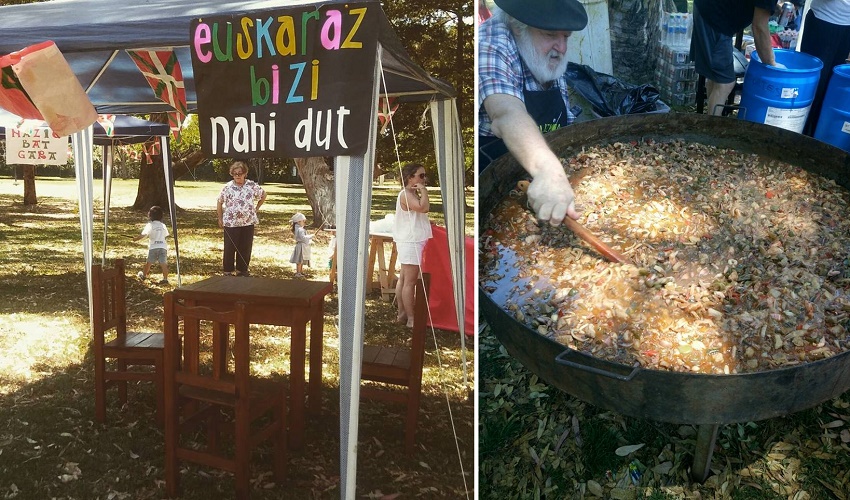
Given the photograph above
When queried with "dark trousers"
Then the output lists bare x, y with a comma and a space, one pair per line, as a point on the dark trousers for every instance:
830, 43
238, 242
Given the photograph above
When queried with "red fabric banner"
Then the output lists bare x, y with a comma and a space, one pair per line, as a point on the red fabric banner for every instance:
441, 300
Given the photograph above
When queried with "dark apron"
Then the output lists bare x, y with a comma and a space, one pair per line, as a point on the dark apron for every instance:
546, 108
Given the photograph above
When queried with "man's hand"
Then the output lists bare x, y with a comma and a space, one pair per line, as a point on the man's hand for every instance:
551, 197
550, 193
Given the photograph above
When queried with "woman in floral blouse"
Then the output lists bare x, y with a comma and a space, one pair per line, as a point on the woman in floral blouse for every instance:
238, 203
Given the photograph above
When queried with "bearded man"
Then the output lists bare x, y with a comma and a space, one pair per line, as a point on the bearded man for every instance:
522, 93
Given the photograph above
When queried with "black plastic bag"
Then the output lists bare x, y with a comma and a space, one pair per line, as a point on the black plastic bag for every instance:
609, 96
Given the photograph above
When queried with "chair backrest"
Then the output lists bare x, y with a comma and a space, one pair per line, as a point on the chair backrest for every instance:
194, 321
109, 299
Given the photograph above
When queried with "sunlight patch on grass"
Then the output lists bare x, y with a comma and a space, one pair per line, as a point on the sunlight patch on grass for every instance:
35, 345
61, 216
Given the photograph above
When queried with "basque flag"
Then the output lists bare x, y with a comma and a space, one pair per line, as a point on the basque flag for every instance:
162, 71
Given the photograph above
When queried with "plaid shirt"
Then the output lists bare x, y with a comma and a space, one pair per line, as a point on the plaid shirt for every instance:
240, 203
501, 72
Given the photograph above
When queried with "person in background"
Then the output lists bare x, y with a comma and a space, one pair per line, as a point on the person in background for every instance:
301, 252
826, 35
237, 207
156, 232
522, 93
411, 230
715, 22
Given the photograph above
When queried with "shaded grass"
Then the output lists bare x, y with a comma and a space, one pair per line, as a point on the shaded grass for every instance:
50, 446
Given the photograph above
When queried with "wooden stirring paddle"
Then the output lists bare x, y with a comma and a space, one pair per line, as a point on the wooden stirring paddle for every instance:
582, 232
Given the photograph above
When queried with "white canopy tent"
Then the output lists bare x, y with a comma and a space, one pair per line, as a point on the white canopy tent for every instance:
93, 36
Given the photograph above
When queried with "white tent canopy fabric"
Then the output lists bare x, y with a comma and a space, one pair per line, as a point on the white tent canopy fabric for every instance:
94, 35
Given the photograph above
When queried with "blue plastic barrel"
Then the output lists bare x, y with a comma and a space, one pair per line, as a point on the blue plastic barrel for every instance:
834, 121
780, 96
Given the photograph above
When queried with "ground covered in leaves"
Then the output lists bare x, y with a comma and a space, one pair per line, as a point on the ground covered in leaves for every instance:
538, 442
50, 445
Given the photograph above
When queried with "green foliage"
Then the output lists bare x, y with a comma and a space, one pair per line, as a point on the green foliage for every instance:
439, 36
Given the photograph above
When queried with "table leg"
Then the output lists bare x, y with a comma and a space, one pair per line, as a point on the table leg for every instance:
296, 381
383, 277
389, 291
332, 277
373, 251
393, 260
314, 388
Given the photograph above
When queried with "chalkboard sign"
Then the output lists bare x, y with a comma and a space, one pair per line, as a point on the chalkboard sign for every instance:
288, 83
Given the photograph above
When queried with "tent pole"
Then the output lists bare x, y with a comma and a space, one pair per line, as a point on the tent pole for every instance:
353, 201
82, 144
107, 196
168, 170
449, 154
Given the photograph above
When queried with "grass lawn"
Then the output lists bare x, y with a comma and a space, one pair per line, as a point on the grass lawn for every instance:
50, 445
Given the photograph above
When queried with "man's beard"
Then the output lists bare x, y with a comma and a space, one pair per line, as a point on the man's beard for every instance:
537, 63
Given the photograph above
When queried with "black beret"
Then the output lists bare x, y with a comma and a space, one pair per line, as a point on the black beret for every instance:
550, 15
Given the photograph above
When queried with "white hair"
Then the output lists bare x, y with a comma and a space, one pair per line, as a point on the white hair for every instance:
537, 63
515, 25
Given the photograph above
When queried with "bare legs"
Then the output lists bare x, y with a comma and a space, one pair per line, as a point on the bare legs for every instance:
717, 95
404, 288
163, 267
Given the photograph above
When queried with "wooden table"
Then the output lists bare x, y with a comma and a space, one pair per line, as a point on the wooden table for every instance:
386, 269
280, 302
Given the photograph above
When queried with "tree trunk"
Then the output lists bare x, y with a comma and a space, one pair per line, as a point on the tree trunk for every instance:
152, 190
634, 39
318, 181
29, 185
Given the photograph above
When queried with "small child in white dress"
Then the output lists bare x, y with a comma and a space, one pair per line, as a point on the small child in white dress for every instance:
301, 252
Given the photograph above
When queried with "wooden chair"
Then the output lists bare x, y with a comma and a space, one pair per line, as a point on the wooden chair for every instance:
125, 348
401, 366
197, 393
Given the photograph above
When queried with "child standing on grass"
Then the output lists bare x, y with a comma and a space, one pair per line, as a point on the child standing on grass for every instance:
301, 252
156, 232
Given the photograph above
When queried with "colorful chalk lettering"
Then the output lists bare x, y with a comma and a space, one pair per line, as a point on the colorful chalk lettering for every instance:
256, 94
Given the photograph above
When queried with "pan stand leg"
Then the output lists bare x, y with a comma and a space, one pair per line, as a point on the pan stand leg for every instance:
706, 436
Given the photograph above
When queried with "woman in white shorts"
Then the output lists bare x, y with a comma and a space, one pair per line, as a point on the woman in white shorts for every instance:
411, 231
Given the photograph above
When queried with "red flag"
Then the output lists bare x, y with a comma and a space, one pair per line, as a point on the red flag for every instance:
151, 149
162, 71
386, 110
